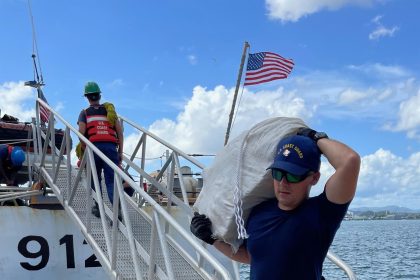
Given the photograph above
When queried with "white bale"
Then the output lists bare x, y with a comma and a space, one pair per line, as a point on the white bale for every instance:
238, 179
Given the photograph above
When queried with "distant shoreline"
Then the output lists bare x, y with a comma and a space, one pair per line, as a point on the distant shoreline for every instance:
381, 215
361, 219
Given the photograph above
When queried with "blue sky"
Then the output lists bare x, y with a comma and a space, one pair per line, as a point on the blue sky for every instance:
171, 66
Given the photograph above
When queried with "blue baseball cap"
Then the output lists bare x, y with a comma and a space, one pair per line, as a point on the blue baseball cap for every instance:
297, 155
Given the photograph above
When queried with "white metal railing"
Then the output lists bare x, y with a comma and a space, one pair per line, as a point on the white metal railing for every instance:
11, 193
163, 224
342, 265
185, 206
171, 166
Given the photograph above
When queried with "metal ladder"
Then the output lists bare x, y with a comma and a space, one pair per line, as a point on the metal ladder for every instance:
149, 243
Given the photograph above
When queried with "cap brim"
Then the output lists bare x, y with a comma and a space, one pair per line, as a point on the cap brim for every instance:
289, 167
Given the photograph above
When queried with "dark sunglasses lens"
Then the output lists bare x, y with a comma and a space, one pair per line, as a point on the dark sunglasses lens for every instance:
294, 178
277, 174
291, 178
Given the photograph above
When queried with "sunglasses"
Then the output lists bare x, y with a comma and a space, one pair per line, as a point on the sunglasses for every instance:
278, 175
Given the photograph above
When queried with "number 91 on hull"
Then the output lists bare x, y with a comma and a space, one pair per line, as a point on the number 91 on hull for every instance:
44, 244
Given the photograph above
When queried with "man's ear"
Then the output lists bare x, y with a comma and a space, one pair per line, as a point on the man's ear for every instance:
315, 178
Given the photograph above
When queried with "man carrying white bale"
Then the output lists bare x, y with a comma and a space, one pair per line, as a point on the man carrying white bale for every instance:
288, 234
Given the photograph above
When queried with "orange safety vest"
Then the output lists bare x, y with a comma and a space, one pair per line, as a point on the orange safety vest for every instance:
9, 152
98, 128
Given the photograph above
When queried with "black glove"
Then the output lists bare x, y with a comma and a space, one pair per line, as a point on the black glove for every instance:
313, 134
201, 227
306, 131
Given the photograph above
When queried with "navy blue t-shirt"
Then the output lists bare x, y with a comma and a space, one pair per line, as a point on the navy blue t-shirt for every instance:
292, 244
4, 151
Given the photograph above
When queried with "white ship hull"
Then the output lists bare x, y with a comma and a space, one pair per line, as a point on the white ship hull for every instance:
44, 244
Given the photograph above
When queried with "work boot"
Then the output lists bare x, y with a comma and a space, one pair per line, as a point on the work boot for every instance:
119, 218
95, 210
120, 215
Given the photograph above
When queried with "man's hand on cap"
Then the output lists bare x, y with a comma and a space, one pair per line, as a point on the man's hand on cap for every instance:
313, 134
307, 132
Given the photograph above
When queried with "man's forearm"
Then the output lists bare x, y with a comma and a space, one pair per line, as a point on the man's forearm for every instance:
341, 186
337, 153
241, 256
120, 136
121, 146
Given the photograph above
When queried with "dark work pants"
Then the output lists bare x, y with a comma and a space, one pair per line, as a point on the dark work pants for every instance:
110, 151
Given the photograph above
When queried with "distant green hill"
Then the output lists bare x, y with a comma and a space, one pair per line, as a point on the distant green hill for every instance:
390, 208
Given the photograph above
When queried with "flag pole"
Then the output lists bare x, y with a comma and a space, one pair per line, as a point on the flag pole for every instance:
238, 82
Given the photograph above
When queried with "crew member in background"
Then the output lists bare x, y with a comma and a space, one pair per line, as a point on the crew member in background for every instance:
127, 188
289, 235
99, 123
11, 160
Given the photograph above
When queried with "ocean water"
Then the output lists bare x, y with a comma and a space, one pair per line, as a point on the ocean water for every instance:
374, 250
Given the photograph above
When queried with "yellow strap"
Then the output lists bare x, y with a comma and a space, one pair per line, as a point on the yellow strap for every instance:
79, 151
111, 114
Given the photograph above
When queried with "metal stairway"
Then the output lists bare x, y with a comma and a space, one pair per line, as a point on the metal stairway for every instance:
148, 243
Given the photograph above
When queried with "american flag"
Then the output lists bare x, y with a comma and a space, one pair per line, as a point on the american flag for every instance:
44, 112
264, 67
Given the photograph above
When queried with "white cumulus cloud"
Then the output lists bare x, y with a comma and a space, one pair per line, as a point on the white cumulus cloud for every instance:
201, 125
381, 70
351, 96
384, 179
115, 84
409, 117
15, 100
287, 10
381, 30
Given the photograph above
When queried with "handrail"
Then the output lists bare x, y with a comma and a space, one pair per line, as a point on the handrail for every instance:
171, 147
341, 264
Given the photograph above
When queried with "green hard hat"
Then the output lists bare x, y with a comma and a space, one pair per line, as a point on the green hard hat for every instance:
92, 87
